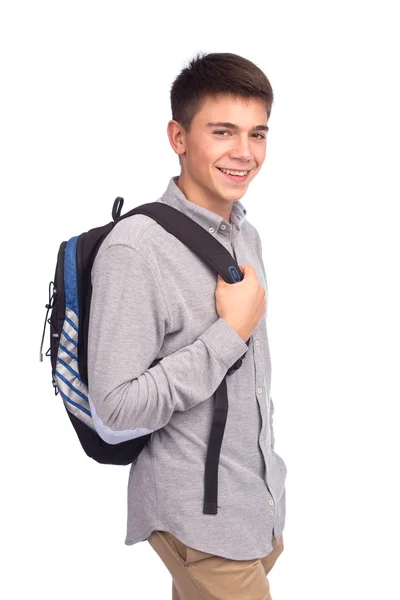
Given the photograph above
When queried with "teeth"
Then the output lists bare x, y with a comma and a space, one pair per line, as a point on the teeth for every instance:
241, 173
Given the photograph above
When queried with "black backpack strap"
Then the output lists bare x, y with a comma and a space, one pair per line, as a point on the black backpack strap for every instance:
217, 256
192, 235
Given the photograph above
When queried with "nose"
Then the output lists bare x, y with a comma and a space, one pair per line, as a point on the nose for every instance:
241, 149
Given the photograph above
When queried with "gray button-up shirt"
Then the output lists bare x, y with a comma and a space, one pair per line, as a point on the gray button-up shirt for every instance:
153, 298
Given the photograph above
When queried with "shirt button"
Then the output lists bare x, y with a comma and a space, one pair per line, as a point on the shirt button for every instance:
259, 390
257, 342
211, 229
271, 502
223, 226
271, 512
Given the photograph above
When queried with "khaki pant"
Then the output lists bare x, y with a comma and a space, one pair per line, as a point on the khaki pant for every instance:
198, 575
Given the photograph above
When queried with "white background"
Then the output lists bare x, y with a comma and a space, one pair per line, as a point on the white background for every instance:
84, 111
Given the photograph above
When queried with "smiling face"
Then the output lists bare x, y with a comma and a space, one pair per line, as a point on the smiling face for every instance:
207, 148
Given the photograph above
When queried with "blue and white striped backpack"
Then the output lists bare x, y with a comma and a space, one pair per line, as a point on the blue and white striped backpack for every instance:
69, 303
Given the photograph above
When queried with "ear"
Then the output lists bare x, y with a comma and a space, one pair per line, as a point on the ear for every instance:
176, 136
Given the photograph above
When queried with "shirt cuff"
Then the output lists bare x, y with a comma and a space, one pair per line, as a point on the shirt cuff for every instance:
225, 341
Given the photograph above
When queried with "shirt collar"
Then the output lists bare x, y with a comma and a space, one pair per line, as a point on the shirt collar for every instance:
203, 216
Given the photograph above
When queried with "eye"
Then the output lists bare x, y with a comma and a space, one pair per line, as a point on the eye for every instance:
262, 137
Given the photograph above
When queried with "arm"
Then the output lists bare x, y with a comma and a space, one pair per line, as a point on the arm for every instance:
128, 321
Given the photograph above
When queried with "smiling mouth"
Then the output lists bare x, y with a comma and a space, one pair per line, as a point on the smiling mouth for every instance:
235, 178
245, 171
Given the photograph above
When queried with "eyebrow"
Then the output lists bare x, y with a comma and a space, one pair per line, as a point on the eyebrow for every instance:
233, 126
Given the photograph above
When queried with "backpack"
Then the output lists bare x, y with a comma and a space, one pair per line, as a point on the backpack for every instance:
69, 303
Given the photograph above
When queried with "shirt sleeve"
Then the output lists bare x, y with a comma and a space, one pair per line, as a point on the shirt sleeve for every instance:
127, 325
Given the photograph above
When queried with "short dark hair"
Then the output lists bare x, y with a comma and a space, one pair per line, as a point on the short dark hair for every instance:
208, 75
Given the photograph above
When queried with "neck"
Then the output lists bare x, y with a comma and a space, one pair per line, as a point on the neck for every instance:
195, 193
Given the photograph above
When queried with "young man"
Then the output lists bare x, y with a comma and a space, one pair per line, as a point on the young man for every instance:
155, 300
